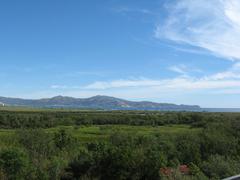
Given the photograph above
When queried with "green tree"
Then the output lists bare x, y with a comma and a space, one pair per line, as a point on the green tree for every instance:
13, 163
40, 148
63, 139
37, 142
188, 148
153, 161
220, 167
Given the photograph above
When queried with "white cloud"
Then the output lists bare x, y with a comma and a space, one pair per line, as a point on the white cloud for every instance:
58, 87
55, 86
140, 82
133, 10
181, 69
84, 73
226, 79
228, 91
178, 83
213, 25
229, 79
232, 73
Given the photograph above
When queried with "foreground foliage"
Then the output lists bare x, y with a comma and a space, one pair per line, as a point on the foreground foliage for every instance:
207, 143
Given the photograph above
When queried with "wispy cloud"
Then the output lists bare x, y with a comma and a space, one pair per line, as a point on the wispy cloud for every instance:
181, 69
121, 83
65, 87
232, 73
178, 83
184, 70
213, 25
56, 86
229, 79
223, 80
84, 74
133, 10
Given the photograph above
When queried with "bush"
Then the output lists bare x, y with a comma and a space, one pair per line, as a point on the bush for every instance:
13, 163
220, 167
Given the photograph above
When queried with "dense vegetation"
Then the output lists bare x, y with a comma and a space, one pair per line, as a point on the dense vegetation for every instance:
52, 118
118, 145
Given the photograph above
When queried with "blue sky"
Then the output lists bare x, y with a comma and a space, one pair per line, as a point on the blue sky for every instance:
177, 51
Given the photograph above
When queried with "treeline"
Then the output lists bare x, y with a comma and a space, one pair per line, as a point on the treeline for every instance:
15, 119
36, 154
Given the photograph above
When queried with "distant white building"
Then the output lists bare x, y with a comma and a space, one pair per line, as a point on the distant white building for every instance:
2, 104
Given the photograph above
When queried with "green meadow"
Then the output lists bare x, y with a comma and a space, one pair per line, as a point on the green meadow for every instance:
102, 132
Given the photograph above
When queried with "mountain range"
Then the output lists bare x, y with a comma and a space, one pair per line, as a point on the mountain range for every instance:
96, 102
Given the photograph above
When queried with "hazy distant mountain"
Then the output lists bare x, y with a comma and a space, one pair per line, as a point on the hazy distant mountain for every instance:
96, 102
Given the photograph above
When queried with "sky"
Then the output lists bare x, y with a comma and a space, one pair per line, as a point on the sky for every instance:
175, 51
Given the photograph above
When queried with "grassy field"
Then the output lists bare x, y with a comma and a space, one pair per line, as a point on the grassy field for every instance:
102, 132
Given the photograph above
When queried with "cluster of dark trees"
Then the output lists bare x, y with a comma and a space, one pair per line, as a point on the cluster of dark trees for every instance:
213, 153
47, 119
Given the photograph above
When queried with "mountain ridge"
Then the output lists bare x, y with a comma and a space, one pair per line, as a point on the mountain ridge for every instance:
96, 102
